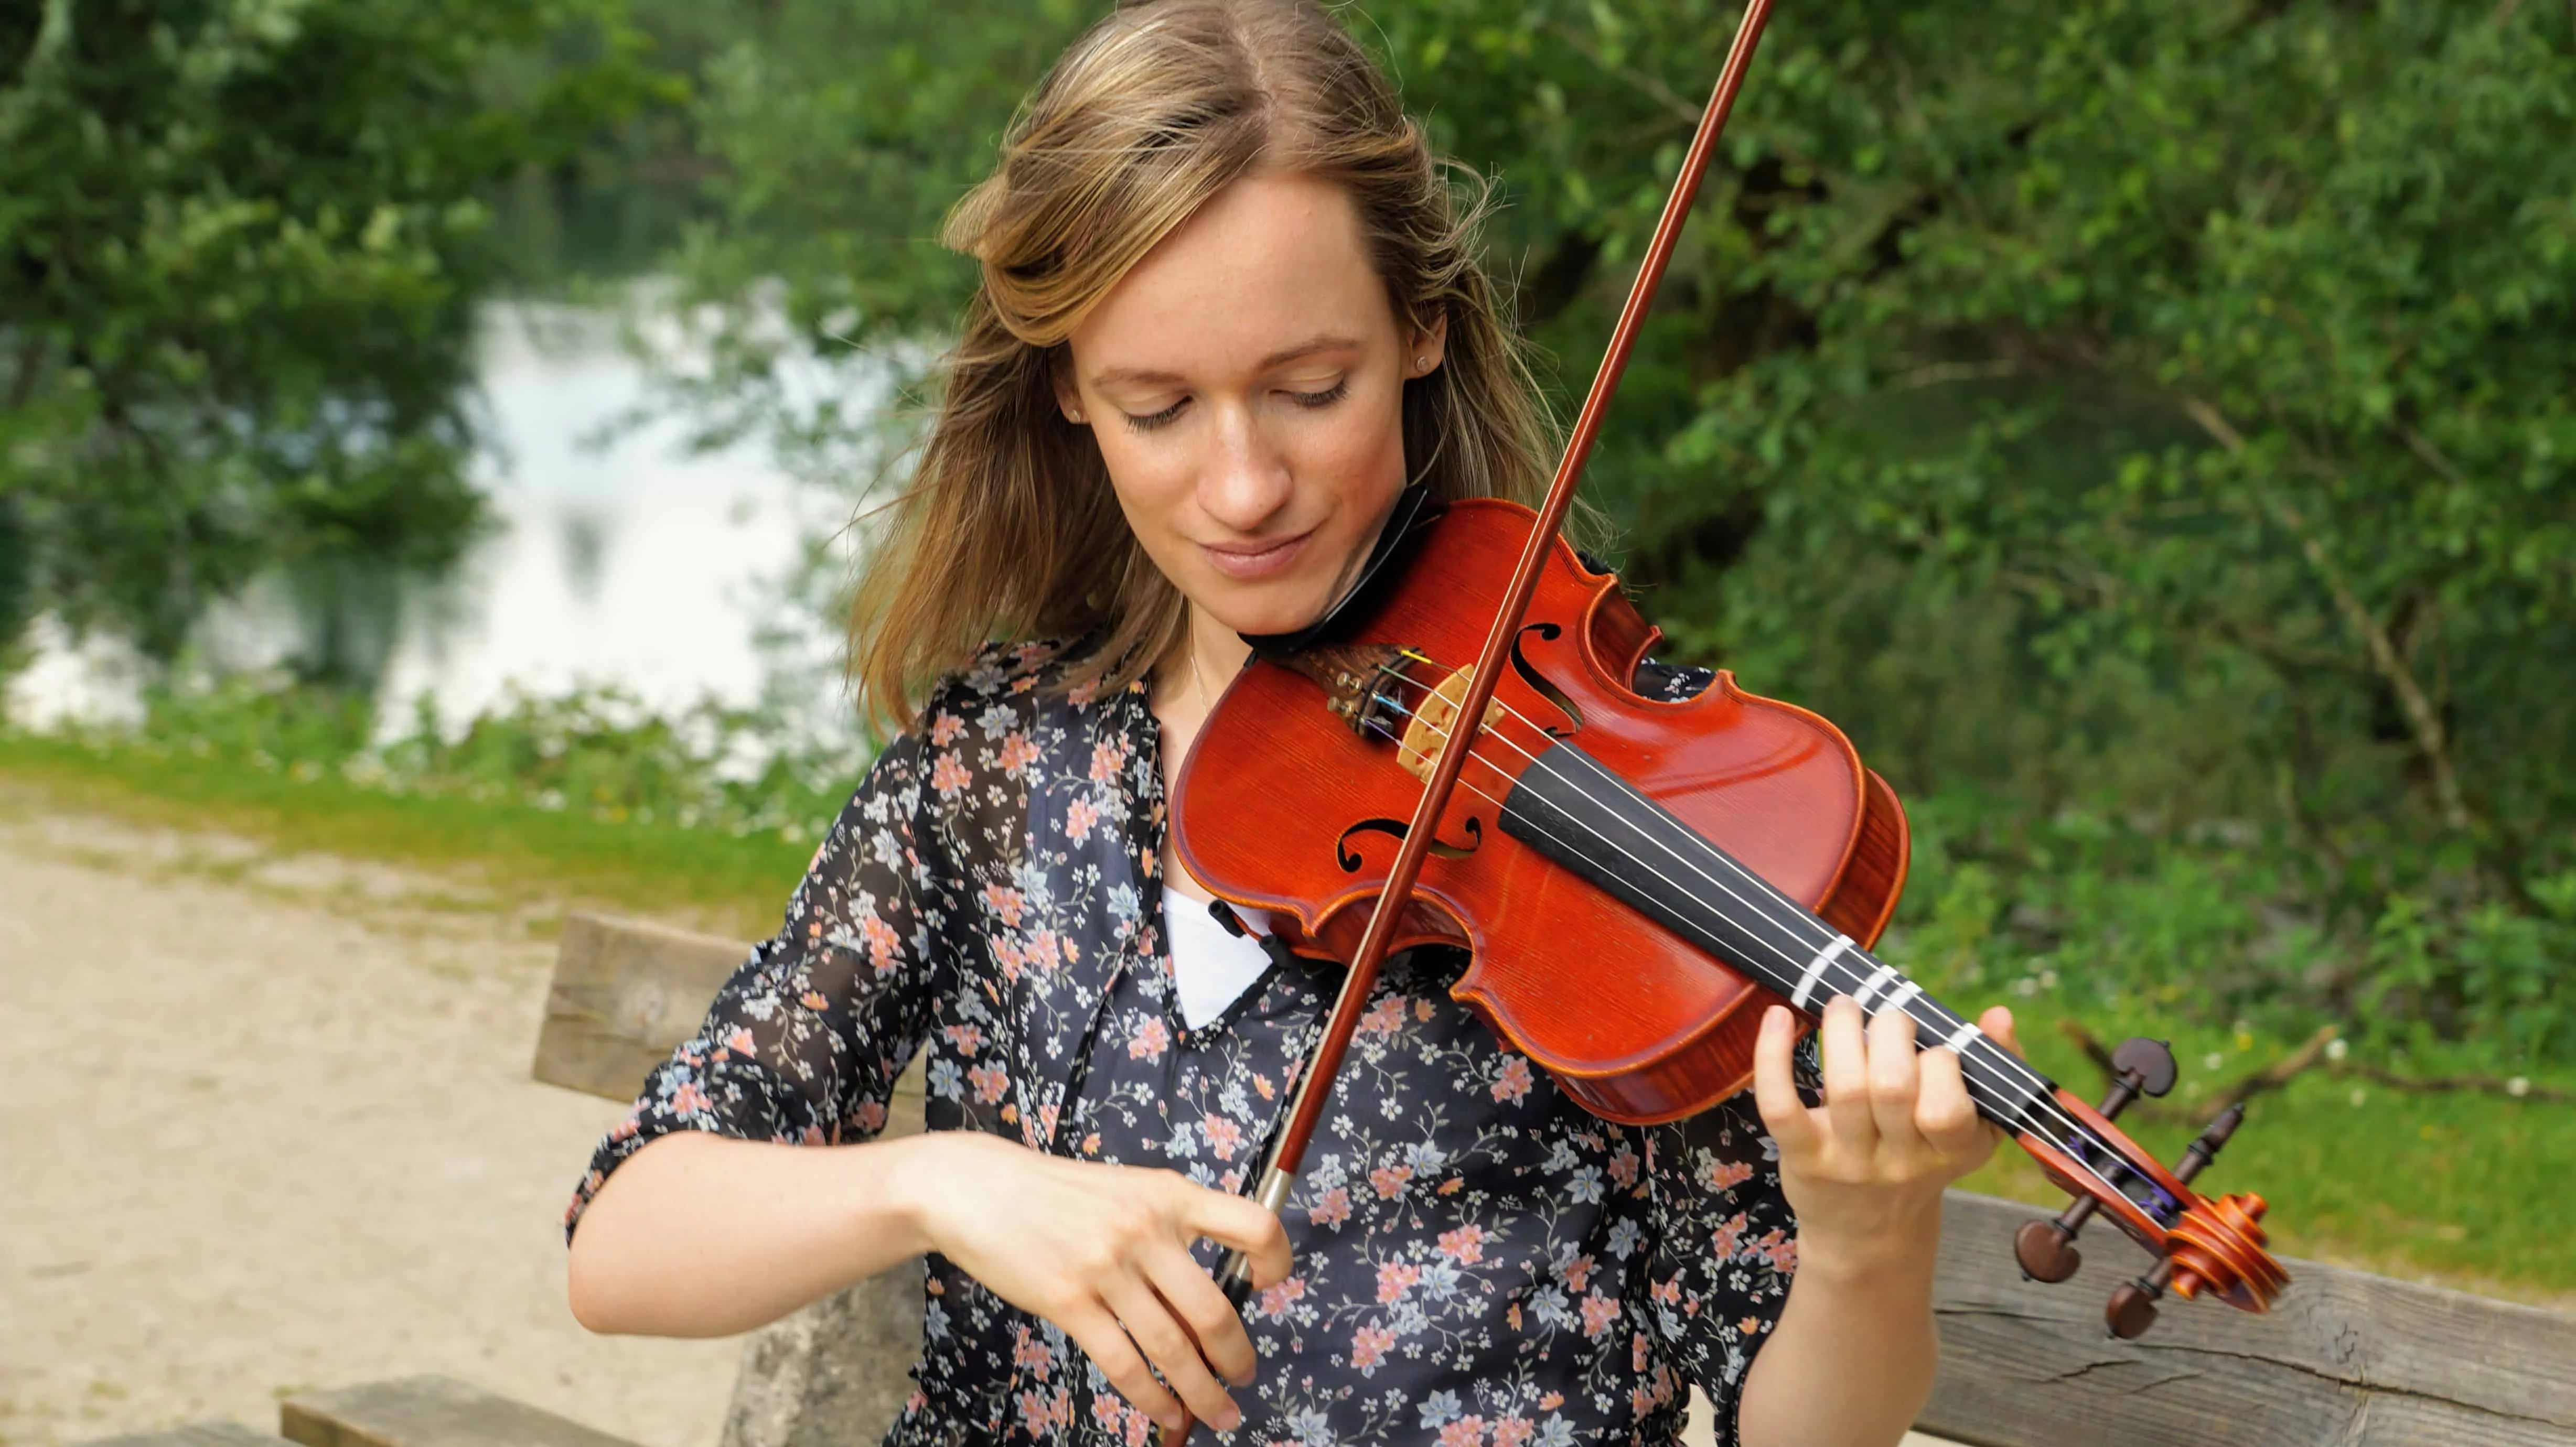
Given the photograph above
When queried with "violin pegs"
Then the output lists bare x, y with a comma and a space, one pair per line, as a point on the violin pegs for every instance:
2145, 1067
2133, 1305
2205, 1149
2150, 1061
2046, 1250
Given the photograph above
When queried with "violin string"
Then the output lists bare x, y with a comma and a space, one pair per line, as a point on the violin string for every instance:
2036, 1101
1991, 1078
2001, 1067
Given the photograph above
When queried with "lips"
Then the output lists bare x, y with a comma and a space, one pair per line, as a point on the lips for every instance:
1247, 562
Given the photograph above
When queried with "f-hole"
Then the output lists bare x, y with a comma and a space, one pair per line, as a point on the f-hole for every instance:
1396, 829
1538, 683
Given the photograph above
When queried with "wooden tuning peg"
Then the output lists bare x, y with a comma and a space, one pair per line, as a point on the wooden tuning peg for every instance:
2046, 1250
2133, 1305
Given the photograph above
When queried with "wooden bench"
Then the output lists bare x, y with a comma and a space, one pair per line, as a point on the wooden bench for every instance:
2348, 1359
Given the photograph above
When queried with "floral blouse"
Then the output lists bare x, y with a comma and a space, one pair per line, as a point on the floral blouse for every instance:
1478, 1260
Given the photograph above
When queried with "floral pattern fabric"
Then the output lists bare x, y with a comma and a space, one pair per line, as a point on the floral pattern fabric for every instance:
1479, 1262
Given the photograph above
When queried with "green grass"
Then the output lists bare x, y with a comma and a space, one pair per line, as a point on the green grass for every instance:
2468, 1189
519, 852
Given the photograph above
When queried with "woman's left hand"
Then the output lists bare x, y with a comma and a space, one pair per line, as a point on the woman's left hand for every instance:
1864, 1170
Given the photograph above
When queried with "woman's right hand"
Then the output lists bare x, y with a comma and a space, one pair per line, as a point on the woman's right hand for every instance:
1103, 1252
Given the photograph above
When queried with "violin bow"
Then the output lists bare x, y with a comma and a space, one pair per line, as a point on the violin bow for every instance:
1315, 1082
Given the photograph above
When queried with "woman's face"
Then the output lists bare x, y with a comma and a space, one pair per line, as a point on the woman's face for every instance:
1246, 383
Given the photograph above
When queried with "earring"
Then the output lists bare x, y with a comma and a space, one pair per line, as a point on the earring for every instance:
1422, 364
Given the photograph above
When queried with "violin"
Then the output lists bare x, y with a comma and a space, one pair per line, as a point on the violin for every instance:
1454, 756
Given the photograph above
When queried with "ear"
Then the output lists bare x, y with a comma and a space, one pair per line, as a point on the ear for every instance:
1427, 347
1068, 396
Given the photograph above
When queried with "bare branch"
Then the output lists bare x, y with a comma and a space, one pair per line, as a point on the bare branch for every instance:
2431, 739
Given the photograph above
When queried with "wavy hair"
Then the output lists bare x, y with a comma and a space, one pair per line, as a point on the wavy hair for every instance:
1009, 527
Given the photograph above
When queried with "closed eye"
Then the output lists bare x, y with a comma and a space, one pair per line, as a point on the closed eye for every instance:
1325, 398
1152, 420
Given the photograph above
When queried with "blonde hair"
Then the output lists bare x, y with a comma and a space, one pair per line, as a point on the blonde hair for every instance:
1009, 527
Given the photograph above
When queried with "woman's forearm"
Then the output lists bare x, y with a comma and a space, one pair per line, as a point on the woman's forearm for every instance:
704, 1235
1850, 1361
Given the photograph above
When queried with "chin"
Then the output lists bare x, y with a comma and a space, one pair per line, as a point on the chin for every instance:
1266, 610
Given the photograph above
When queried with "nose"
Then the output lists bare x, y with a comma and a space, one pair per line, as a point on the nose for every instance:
1247, 480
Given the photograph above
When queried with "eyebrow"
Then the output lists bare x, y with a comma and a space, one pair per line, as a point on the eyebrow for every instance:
1329, 342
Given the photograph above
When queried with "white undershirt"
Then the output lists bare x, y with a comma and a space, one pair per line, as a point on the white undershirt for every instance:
1211, 967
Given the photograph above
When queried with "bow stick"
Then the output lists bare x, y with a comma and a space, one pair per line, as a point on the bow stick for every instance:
1315, 1083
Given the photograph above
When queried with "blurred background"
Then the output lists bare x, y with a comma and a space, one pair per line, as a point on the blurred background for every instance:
430, 433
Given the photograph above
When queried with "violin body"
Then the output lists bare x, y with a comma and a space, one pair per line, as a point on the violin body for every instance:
1285, 808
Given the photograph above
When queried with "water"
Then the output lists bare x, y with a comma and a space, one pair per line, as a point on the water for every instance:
674, 577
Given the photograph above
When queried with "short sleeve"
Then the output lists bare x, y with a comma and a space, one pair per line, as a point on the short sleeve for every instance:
1725, 1245
804, 1042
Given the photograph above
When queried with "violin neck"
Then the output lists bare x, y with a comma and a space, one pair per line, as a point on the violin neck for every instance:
1580, 815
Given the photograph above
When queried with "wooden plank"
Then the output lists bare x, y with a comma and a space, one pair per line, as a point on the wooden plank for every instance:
211, 1433
624, 993
428, 1411
2345, 1358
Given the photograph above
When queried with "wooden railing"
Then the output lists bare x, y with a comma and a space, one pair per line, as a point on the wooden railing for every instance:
2348, 1359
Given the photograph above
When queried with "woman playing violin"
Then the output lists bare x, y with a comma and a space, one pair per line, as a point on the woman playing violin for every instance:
1229, 309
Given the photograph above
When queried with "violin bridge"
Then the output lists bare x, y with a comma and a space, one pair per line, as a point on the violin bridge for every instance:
1434, 719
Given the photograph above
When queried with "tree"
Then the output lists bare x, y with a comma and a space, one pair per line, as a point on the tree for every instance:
2158, 418
240, 246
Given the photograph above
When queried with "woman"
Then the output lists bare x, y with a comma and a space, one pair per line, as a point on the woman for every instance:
1227, 312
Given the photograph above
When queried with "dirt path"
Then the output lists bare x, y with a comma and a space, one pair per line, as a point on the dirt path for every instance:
267, 1125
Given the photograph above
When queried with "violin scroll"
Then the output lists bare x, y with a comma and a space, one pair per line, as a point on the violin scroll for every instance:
2214, 1246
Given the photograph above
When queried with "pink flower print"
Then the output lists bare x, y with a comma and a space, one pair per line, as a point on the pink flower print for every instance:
1046, 1121
1466, 1245
1106, 760
738, 1040
689, 1099
967, 1038
1139, 1430
1006, 953
1727, 1175
1033, 1413
1369, 1346
872, 1115
1640, 1401
1515, 1081
1384, 1017
1394, 1279
1223, 1136
1151, 1041
1513, 1431
1389, 1181
990, 1081
1083, 693
1079, 817
1032, 1355
1422, 1010
948, 776
945, 729
1044, 951
1623, 1167
1332, 1209
1637, 1353
1274, 1303
1008, 903
1017, 752
1465, 1432
881, 944
1728, 1237
1578, 1273
1598, 1313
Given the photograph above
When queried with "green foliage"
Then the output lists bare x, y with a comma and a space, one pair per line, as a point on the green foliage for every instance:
2147, 430
240, 242
596, 753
